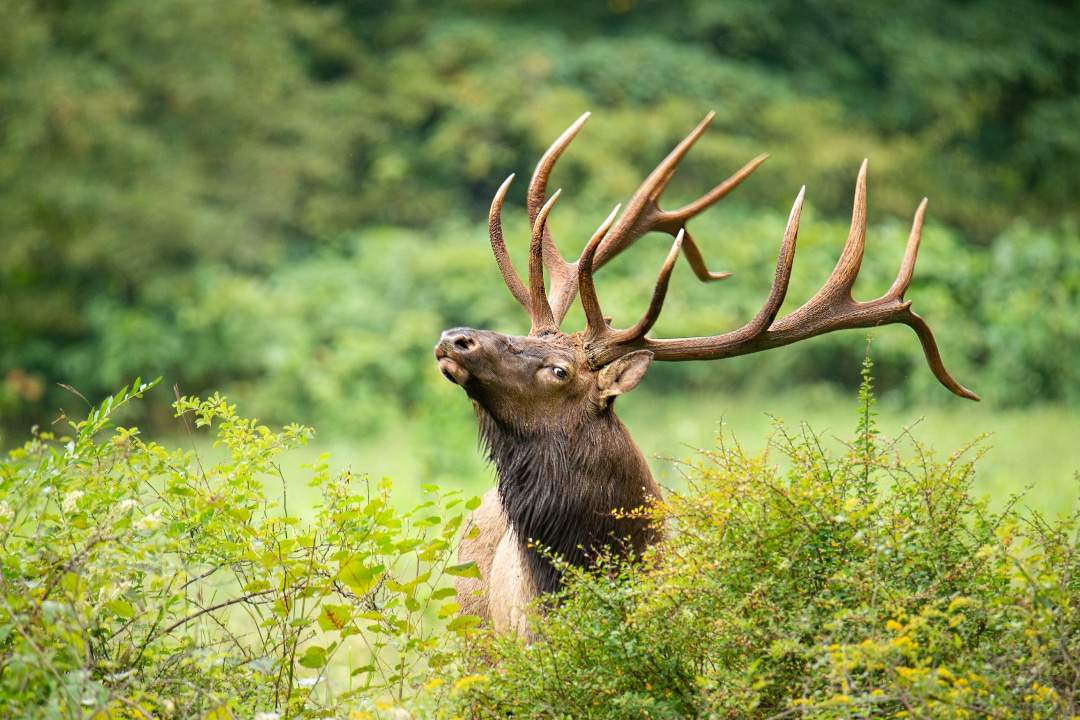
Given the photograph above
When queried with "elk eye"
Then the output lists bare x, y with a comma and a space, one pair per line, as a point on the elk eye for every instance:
559, 372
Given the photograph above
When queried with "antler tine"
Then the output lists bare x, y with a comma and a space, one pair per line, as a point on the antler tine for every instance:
915, 321
643, 213
538, 184
652, 313
539, 308
708, 199
834, 299
907, 267
615, 343
697, 262
595, 325
832, 308
563, 285
933, 356
784, 263
850, 262
596, 328
498, 247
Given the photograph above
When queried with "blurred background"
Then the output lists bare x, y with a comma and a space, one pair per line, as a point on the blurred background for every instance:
286, 202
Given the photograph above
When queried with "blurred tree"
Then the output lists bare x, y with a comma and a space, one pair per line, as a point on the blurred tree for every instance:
159, 161
975, 94
137, 142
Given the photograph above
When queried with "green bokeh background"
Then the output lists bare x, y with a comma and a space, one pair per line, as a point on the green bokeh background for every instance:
286, 202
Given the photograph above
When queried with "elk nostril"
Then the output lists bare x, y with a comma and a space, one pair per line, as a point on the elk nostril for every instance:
464, 342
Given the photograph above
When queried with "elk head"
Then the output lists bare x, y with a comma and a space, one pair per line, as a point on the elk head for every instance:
535, 383
544, 400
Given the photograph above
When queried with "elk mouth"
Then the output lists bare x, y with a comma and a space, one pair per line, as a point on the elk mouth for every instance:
449, 367
452, 371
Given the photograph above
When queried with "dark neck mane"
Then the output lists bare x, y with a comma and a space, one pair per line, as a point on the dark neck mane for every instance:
559, 489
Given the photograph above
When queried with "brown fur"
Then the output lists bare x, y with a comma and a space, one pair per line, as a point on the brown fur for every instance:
566, 465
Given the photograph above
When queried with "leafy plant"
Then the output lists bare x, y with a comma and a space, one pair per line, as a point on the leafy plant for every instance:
862, 584
141, 581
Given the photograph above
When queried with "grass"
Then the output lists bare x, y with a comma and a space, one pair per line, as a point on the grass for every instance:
1033, 447
1026, 447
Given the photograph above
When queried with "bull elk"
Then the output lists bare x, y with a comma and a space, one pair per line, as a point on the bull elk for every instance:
566, 465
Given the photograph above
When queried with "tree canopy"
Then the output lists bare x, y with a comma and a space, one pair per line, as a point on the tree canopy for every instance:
172, 171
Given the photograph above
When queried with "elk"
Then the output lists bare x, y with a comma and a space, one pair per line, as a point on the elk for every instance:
569, 474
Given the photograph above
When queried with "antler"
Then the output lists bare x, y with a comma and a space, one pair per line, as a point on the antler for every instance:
532, 299
832, 308
643, 214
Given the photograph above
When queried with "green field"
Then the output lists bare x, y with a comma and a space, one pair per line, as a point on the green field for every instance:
1024, 447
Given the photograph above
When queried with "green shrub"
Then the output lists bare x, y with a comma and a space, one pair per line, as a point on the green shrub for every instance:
862, 584
143, 582
136, 581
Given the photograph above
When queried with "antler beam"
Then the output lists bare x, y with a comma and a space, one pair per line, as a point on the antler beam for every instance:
832, 308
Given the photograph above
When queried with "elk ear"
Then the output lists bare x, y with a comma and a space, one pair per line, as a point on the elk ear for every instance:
623, 374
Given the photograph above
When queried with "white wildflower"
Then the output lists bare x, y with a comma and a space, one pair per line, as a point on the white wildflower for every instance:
149, 522
267, 716
126, 506
6, 513
71, 501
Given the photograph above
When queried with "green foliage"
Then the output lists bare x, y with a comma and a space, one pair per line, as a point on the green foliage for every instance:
137, 142
864, 584
919, 74
142, 581
166, 167
307, 334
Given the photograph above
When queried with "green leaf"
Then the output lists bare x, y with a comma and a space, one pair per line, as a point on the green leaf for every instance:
314, 658
121, 608
359, 577
257, 585
221, 712
240, 513
438, 660
468, 570
463, 622
334, 617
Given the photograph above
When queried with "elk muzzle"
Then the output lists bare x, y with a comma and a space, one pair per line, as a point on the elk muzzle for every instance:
453, 351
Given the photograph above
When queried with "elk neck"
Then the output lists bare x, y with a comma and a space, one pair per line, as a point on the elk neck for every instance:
562, 487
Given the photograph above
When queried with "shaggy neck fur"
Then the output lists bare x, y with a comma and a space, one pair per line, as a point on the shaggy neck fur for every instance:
560, 488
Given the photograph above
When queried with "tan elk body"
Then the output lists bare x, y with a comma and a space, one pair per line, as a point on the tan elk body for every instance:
569, 475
